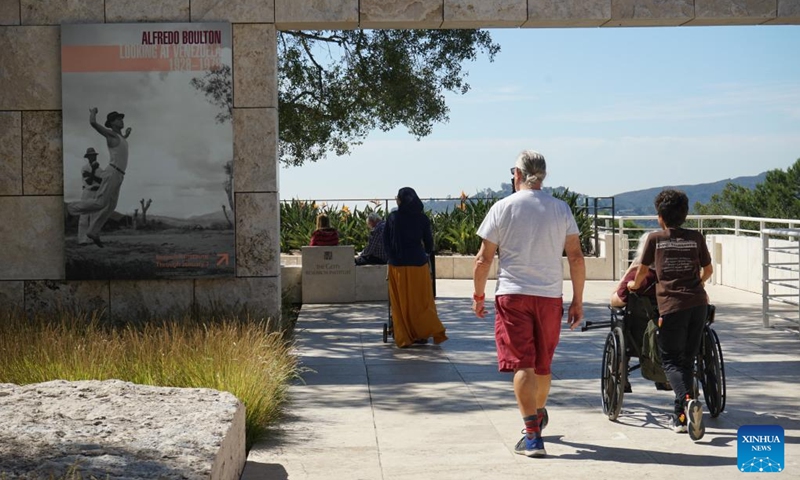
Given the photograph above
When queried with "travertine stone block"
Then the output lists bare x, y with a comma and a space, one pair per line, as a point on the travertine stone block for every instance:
568, 13
48, 296
316, 14
12, 296
31, 68
234, 11
140, 299
732, 12
257, 235
292, 283
463, 266
32, 233
147, 11
402, 13
56, 12
258, 296
788, 13
255, 53
372, 284
10, 153
484, 13
255, 149
444, 267
650, 12
42, 162
9, 12
329, 274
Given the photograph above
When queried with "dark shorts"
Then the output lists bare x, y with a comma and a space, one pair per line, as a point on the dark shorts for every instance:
527, 329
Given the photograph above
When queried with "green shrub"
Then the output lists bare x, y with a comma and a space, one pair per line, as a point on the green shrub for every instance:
454, 230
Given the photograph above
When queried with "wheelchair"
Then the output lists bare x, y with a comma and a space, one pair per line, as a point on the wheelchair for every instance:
626, 341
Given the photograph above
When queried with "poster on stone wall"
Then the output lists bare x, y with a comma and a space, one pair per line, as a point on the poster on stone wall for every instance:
148, 151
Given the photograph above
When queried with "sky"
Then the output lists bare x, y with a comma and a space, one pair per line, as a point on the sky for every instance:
177, 151
611, 109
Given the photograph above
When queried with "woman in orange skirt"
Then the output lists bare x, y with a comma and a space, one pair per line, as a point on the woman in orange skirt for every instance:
409, 241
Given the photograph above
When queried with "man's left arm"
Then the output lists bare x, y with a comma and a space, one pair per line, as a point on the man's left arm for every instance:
577, 273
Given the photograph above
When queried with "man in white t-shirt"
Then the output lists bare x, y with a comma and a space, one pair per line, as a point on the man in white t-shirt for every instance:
531, 229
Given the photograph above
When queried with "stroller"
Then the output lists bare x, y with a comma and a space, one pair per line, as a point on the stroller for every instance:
632, 336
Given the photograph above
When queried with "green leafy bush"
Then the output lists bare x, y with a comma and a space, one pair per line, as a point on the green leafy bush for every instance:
454, 229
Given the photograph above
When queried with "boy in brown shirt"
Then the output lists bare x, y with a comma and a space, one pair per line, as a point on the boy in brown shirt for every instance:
683, 264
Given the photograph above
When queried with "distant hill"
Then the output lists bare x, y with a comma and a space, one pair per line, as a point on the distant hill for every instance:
640, 202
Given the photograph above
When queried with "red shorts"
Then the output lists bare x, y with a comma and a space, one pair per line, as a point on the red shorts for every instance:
527, 329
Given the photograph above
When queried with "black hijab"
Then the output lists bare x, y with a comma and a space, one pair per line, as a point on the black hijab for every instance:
409, 201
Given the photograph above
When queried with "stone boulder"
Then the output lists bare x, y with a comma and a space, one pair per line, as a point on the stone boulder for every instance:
120, 430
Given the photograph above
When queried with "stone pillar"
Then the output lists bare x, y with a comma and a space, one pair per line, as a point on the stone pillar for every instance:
31, 172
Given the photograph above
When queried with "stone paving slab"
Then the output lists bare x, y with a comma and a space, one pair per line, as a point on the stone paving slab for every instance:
367, 410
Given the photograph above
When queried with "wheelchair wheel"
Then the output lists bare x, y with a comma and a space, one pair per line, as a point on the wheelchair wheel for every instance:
614, 374
711, 368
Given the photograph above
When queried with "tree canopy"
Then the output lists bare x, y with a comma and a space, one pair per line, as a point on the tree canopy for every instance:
778, 196
337, 86
334, 87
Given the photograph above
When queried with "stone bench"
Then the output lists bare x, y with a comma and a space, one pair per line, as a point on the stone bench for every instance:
371, 283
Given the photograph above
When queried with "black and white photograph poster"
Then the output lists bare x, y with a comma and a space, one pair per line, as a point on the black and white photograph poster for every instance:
148, 151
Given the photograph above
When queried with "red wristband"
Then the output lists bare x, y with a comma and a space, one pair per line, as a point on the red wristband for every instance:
478, 298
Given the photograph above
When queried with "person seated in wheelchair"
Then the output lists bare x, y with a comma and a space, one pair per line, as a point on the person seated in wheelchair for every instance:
619, 298
646, 293
683, 264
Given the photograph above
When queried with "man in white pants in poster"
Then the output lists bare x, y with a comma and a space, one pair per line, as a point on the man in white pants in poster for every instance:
105, 201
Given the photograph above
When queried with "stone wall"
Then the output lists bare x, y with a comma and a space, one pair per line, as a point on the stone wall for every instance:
31, 190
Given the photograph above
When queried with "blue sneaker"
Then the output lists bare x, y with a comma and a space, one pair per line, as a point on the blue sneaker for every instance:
531, 447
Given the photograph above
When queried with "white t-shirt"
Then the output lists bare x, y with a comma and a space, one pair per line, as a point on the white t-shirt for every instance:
530, 228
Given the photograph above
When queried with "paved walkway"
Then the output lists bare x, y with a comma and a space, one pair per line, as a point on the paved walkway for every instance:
368, 410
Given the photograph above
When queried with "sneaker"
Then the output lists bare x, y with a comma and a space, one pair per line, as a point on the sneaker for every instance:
678, 423
531, 447
695, 426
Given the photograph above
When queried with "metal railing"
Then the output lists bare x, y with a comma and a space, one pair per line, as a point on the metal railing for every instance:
635, 225
780, 277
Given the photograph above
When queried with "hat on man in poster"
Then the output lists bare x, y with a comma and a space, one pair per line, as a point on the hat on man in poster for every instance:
90, 152
111, 117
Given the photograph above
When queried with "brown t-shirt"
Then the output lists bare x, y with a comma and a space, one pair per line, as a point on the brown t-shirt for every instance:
678, 254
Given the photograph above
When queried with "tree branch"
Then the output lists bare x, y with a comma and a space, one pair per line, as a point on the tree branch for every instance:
339, 40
